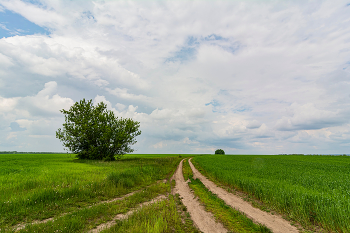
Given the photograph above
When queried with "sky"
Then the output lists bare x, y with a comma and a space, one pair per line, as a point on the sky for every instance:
249, 77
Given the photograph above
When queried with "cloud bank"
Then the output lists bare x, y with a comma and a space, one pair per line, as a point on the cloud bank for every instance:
264, 77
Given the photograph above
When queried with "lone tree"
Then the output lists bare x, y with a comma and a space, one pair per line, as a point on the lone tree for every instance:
219, 152
93, 132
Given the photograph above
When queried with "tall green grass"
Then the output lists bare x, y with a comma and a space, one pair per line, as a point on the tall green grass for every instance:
312, 190
39, 186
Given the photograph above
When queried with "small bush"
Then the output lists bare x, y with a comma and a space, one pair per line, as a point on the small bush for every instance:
219, 152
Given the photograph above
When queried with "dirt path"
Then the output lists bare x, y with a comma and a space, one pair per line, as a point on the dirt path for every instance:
203, 220
273, 222
23, 225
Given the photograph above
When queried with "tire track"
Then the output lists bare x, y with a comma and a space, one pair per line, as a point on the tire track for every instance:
21, 226
202, 219
275, 223
125, 216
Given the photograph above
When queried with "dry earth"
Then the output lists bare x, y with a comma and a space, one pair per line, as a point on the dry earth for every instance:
275, 223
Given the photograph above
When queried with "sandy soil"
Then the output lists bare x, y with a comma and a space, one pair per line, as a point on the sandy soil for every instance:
202, 219
275, 223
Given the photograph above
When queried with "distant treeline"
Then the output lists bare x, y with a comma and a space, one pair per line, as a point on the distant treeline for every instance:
290, 154
16, 152
319, 154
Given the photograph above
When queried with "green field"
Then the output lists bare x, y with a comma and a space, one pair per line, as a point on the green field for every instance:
312, 190
40, 186
141, 156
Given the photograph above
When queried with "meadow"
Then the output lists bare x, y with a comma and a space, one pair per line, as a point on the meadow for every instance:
78, 195
311, 190
40, 186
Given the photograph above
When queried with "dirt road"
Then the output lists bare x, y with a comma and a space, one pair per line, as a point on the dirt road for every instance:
203, 220
276, 223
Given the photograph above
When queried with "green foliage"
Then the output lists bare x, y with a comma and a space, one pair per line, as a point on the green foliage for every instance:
93, 132
219, 152
312, 190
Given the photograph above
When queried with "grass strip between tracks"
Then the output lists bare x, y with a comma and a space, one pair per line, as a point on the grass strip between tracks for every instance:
186, 170
232, 219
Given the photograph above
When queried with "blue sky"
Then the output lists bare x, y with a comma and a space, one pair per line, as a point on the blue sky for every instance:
12, 24
264, 77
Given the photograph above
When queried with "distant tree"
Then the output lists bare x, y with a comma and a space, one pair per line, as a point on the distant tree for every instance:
219, 152
93, 132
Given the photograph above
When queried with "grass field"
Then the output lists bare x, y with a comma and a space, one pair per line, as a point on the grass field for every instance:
140, 156
312, 190
39, 186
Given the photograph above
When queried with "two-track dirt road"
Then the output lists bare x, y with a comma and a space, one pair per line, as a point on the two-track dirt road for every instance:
203, 220
206, 222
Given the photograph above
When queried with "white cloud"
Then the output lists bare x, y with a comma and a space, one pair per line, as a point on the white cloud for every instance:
123, 93
253, 124
8, 104
35, 14
309, 117
2, 25
254, 77
98, 99
120, 106
46, 101
159, 145
11, 135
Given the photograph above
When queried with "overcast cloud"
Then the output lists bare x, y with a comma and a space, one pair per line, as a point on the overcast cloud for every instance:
264, 77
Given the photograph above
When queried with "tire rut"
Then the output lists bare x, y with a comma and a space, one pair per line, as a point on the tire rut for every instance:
125, 216
202, 219
21, 226
275, 223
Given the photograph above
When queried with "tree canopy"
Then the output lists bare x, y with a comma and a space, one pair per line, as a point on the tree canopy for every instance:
93, 132
219, 152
